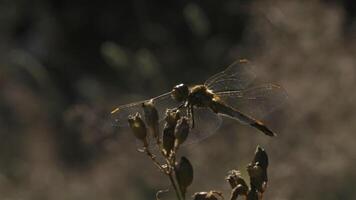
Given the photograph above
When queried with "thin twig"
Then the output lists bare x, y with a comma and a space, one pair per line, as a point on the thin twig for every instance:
168, 172
158, 193
178, 192
153, 158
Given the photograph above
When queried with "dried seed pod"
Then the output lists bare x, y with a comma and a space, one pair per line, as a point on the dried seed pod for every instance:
184, 174
261, 157
256, 176
181, 131
238, 191
231, 181
168, 139
138, 127
151, 117
172, 116
234, 178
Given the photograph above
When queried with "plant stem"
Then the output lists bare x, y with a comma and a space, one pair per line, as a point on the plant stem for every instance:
178, 193
155, 162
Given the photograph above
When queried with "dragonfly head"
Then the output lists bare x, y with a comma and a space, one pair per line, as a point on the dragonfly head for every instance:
180, 92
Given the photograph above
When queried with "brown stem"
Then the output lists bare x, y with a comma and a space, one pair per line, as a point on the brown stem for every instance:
176, 189
155, 162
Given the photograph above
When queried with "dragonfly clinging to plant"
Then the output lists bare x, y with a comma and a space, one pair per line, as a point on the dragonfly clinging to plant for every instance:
227, 93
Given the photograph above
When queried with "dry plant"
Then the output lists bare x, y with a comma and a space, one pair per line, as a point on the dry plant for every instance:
180, 173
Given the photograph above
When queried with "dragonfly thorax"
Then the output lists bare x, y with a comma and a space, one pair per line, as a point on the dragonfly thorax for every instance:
200, 96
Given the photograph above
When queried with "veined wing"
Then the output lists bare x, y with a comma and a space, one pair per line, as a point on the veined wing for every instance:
162, 102
237, 76
257, 101
206, 123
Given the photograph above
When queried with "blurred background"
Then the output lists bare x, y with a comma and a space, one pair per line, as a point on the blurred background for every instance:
64, 65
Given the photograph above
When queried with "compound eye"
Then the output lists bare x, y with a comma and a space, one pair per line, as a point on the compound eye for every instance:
180, 92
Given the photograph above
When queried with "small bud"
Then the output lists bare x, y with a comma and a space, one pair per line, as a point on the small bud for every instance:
168, 139
151, 118
138, 127
184, 174
181, 131
234, 178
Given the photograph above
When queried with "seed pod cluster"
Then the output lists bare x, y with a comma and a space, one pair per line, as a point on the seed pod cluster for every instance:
168, 138
175, 133
138, 128
176, 130
184, 174
257, 171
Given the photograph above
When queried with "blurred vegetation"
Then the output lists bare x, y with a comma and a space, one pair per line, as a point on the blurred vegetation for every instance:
65, 64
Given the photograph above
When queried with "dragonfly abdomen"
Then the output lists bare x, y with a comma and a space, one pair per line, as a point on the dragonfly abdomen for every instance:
219, 107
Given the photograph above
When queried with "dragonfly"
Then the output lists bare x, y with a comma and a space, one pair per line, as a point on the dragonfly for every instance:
229, 93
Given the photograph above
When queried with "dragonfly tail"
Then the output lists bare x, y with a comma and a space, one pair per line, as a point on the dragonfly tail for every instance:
224, 109
260, 126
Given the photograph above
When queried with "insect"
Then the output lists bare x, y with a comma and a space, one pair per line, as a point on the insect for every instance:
228, 93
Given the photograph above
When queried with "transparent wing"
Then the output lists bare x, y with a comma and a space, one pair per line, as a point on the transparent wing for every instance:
256, 101
120, 114
206, 123
237, 76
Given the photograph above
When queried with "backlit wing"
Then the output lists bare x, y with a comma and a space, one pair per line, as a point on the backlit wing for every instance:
257, 101
237, 76
206, 123
120, 114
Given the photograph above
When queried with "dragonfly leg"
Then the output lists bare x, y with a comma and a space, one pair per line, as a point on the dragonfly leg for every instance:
181, 106
192, 115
